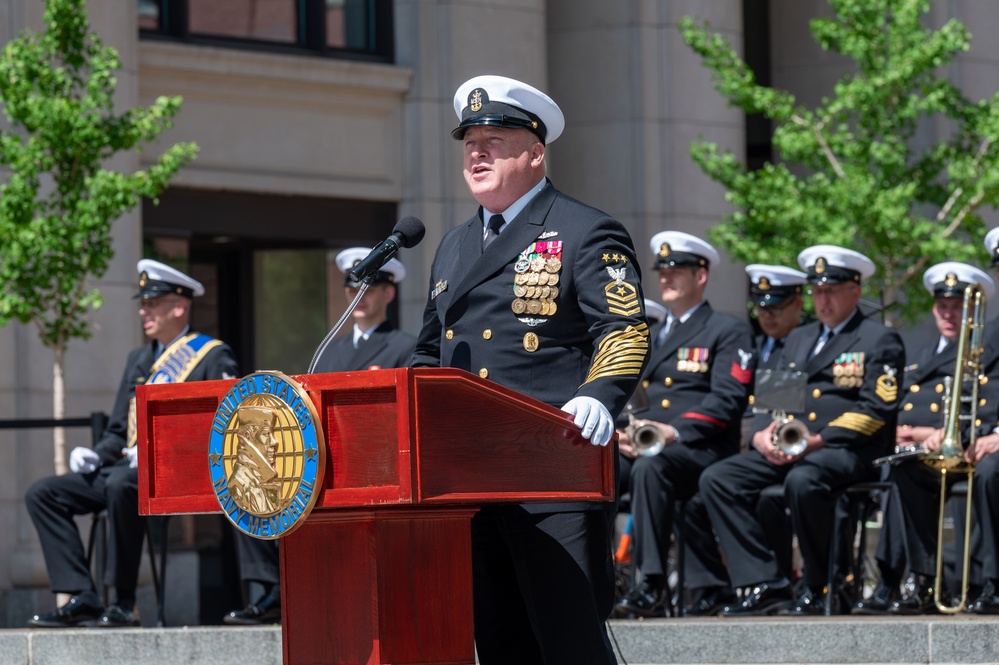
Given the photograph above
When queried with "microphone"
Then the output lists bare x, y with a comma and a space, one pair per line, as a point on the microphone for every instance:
408, 232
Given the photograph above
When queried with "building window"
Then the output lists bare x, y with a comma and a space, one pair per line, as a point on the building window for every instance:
359, 29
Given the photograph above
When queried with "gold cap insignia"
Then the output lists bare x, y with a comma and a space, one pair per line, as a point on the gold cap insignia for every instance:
951, 280
820, 265
763, 284
664, 249
475, 99
143, 278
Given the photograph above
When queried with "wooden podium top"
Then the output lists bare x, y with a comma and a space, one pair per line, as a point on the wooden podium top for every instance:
397, 436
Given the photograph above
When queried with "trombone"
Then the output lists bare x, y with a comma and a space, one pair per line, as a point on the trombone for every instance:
949, 458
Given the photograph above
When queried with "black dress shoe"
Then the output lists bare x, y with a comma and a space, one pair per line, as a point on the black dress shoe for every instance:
988, 601
645, 601
920, 601
811, 603
762, 599
74, 613
117, 616
878, 602
711, 602
267, 610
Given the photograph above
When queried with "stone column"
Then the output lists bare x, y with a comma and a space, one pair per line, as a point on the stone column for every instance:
635, 96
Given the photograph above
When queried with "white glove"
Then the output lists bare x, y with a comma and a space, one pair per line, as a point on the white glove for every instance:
592, 417
83, 460
133, 456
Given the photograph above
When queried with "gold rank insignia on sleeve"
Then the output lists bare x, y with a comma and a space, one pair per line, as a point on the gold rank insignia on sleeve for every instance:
620, 353
858, 422
622, 297
887, 386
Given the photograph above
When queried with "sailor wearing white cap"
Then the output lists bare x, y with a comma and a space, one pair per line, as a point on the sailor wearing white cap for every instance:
675, 249
499, 101
698, 382
852, 371
158, 279
374, 344
829, 264
918, 486
777, 303
391, 272
106, 477
985, 537
540, 293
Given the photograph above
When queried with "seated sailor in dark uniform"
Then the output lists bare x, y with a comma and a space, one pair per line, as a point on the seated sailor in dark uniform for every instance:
920, 415
698, 382
374, 343
850, 367
777, 303
985, 493
107, 476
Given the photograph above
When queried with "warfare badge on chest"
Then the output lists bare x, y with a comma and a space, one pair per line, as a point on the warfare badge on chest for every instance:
267, 455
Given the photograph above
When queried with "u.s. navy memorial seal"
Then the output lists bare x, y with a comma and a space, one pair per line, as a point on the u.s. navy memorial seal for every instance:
266, 455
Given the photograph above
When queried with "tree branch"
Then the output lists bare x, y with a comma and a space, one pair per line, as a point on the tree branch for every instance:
830, 155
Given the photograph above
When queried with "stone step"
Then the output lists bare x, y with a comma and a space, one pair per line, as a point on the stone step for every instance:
964, 640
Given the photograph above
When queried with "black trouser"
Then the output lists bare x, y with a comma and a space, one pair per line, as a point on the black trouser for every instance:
543, 586
53, 502
731, 490
258, 559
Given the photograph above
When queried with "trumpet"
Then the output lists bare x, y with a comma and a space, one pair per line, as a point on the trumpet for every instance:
647, 438
790, 435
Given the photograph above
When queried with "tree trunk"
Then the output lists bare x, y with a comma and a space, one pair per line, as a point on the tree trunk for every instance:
59, 411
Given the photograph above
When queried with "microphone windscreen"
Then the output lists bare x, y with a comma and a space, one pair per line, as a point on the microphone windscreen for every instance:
411, 229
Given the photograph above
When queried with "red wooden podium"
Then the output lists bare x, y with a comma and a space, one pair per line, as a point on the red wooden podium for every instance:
380, 572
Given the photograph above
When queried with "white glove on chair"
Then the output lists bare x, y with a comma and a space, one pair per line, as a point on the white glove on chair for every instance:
592, 417
133, 456
83, 460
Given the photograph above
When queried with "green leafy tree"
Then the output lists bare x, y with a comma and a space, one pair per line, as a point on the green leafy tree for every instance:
848, 171
57, 201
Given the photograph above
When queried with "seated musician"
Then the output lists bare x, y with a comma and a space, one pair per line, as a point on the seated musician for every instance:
920, 415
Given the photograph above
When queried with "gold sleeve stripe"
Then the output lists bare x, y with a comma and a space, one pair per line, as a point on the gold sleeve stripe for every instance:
858, 422
620, 353
624, 312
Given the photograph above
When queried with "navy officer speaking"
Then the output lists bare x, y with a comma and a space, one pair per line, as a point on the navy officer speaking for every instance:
540, 293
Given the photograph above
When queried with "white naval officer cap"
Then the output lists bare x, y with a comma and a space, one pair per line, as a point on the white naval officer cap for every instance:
950, 278
830, 264
770, 285
675, 249
158, 279
499, 101
392, 272
992, 244
654, 311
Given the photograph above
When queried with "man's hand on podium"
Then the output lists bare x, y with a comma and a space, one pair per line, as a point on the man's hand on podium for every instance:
592, 417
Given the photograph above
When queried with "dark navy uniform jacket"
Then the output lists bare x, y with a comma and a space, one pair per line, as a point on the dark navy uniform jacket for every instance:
219, 363
854, 384
594, 341
700, 379
386, 347
922, 401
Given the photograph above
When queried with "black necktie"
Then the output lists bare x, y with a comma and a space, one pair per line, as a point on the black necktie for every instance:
824, 338
492, 230
667, 328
